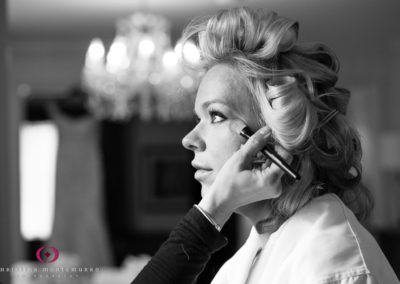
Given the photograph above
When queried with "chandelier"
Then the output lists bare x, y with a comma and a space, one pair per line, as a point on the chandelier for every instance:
142, 74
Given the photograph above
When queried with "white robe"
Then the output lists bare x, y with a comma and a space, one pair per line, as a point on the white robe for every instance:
322, 243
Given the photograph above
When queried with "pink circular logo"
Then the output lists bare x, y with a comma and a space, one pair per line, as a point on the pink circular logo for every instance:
50, 254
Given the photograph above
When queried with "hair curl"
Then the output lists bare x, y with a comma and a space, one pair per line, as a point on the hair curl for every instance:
292, 86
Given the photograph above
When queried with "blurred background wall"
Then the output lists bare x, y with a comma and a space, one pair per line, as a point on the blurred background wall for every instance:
47, 41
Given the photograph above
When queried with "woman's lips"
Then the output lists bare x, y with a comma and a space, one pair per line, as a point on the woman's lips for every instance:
202, 174
202, 170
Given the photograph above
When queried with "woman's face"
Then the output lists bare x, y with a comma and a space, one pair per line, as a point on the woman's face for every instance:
221, 98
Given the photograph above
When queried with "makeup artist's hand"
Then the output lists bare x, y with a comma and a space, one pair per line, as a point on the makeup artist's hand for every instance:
239, 183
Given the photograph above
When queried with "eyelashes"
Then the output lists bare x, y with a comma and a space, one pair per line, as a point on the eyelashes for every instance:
215, 116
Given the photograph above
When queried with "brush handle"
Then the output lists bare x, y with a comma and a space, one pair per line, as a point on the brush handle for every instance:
272, 155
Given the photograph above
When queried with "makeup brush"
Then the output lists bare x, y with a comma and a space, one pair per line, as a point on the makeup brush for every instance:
243, 130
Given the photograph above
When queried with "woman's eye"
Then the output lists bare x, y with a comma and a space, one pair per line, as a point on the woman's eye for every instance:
216, 116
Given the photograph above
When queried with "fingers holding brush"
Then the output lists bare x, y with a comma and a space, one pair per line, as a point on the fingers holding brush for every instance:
273, 170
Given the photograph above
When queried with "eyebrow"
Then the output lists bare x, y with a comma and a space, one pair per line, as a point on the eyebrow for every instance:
207, 103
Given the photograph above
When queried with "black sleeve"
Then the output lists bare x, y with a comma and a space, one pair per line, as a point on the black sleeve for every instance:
184, 255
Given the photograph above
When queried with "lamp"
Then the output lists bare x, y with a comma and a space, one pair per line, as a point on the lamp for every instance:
141, 74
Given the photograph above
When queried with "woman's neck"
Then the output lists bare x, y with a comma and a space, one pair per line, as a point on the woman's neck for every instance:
255, 212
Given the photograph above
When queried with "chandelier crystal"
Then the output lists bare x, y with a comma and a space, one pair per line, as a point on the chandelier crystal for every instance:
141, 74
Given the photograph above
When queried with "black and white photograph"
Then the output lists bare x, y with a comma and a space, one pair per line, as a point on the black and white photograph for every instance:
199, 142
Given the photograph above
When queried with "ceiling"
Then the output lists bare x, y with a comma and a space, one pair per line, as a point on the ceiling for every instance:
48, 15
359, 31
81, 16
327, 20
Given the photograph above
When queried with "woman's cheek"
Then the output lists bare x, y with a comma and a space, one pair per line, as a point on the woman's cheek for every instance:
224, 156
224, 144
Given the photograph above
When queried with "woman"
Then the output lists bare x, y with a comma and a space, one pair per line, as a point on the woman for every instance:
305, 231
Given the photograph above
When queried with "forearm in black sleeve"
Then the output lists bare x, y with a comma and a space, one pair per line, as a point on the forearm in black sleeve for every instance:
184, 255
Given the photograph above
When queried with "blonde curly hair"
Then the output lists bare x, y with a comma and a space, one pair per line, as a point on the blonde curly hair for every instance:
292, 86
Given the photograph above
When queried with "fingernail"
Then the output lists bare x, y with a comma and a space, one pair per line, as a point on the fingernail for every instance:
264, 131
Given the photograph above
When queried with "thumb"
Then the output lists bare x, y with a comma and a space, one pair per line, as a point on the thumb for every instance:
255, 143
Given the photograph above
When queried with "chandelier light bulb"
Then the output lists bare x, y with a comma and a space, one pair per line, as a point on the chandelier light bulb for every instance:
95, 53
170, 60
178, 49
146, 48
191, 52
117, 57
140, 73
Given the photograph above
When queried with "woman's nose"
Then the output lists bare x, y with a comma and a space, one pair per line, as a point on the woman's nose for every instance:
193, 141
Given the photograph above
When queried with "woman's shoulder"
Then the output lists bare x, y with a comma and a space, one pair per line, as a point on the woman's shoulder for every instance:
326, 228
327, 239
322, 213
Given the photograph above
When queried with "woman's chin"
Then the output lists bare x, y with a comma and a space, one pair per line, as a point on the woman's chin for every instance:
204, 190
